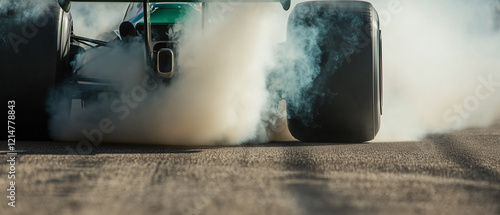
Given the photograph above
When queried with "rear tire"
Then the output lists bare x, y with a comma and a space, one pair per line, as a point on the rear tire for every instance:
345, 96
34, 58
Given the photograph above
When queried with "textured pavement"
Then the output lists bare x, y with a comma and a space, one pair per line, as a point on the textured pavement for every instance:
454, 173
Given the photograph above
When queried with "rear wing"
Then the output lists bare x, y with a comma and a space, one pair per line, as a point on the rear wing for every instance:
66, 3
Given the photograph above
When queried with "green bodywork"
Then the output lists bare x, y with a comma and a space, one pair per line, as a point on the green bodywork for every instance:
172, 13
169, 13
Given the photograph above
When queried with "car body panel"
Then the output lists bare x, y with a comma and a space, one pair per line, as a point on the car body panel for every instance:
162, 13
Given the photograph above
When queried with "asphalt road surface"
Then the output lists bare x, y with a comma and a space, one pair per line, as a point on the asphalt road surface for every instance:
454, 173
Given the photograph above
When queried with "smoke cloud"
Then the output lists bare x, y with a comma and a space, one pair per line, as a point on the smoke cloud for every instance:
24, 9
220, 90
440, 73
217, 96
97, 20
441, 67
12, 11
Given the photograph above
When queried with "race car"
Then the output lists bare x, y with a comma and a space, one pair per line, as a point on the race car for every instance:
346, 95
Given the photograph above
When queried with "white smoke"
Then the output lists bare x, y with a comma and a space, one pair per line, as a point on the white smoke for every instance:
24, 9
12, 11
97, 20
216, 97
436, 56
220, 90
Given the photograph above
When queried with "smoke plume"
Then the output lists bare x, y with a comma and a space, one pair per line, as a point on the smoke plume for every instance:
441, 67
440, 73
24, 9
217, 96
12, 11
97, 20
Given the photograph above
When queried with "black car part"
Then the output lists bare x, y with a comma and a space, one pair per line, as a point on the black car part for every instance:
345, 98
